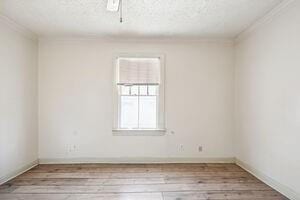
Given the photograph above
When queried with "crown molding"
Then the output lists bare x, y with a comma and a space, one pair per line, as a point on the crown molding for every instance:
17, 27
275, 12
135, 40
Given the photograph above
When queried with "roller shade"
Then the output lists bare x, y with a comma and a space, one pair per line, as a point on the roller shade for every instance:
142, 71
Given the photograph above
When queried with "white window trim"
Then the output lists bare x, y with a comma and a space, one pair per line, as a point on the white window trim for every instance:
160, 130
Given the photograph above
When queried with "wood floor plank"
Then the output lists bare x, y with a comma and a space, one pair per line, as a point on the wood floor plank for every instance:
199, 179
119, 196
137, 181
149, 168
221, 195
129, 181
135, 170
141, 188
133, 175
85, 181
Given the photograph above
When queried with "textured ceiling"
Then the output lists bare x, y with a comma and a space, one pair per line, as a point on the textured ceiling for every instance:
142, 18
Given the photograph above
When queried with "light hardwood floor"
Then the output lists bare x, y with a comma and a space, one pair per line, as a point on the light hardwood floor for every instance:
137, 182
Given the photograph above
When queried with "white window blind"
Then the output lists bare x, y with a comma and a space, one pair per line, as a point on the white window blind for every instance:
138, 71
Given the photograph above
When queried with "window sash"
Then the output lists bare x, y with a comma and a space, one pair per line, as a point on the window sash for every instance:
138, 95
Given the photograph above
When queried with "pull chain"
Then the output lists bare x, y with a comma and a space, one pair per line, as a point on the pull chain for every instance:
121, 11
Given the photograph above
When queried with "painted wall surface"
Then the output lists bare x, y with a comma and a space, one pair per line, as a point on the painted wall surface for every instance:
75, 100
268, 98
18, 100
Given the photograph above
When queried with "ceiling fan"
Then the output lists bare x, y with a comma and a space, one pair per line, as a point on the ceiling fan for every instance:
115, 6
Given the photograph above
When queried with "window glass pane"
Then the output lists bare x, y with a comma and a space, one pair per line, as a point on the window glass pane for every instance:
129, 112
134, 90
147, 112
124, 90
153, 89
143, 89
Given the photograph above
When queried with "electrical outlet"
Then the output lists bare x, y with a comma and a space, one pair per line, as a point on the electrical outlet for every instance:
200, 148
71, 148
181, 147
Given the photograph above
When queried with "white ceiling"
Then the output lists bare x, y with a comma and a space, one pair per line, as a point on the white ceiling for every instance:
142, 18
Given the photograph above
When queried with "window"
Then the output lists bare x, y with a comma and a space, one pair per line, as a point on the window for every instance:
139, 92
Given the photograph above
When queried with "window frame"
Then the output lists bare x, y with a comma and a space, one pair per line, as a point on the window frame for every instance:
160, 130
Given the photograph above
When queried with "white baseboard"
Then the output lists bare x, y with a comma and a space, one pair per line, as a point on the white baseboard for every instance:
17, 172
288, 192
135, 160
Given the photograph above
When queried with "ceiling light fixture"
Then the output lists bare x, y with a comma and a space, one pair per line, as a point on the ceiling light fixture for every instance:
115, 6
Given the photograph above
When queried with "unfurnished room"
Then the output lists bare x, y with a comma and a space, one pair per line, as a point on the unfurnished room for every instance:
149, 99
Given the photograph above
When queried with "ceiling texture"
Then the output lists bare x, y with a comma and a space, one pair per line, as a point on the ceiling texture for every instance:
142, 18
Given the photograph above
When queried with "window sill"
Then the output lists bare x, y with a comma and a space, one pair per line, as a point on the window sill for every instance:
139, 132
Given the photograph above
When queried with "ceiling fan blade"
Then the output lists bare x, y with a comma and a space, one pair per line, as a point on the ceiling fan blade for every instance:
113, 5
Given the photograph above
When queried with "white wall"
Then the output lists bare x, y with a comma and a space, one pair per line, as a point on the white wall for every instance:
75, 100
268, 99
18, 100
